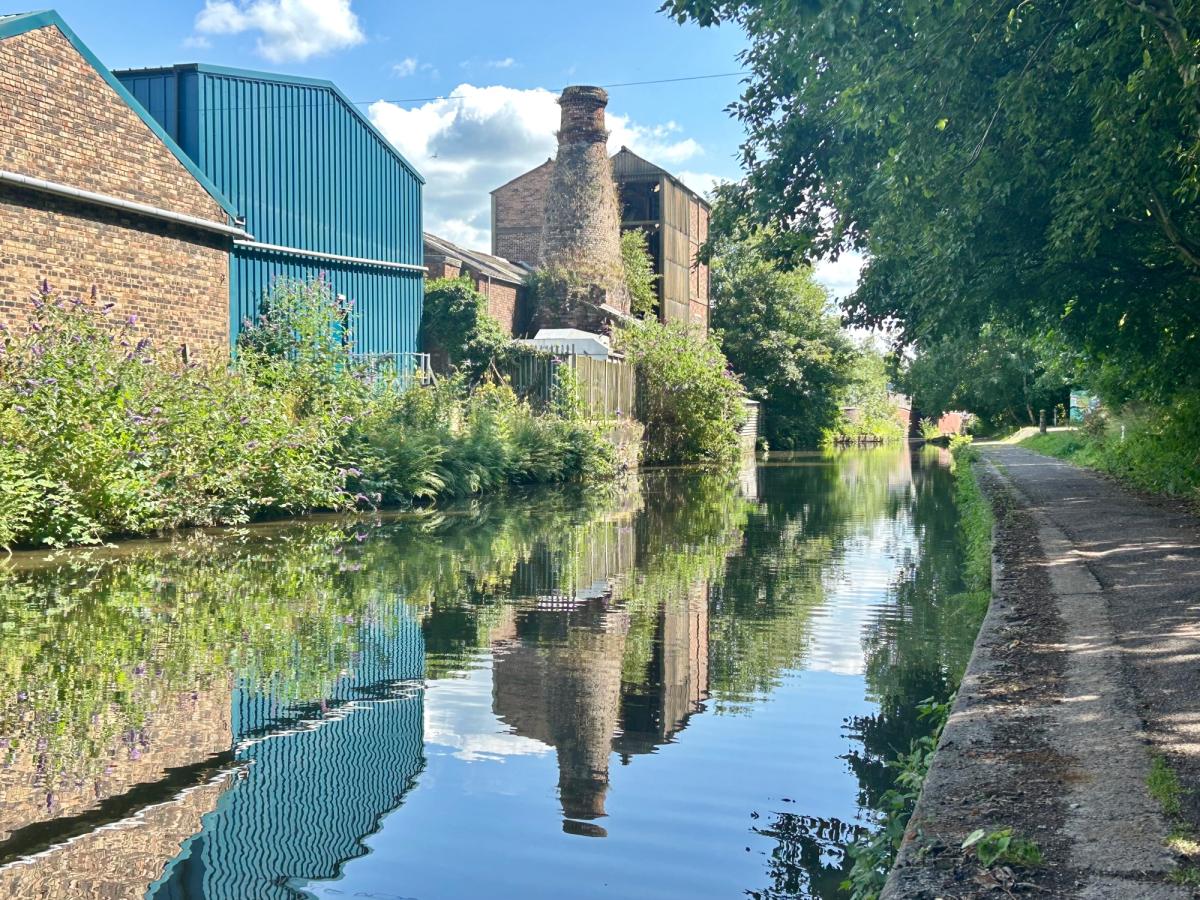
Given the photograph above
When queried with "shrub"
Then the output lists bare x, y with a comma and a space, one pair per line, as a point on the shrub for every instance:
690, 402
118, 439
100, 435
456, 322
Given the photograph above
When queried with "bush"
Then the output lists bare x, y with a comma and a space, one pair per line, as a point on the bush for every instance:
100, 435
117, 439
690, 402
456, 322
639, 273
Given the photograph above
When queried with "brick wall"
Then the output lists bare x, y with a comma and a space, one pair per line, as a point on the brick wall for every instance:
518, 212
60, 121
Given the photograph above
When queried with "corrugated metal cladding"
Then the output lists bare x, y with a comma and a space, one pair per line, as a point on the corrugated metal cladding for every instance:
308, 171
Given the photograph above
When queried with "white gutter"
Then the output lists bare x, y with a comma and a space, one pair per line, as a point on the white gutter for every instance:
143, 209
334, 257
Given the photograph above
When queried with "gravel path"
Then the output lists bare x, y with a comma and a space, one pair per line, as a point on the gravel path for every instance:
1087, 664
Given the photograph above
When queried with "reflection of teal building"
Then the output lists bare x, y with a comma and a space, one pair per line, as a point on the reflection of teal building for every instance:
320, 778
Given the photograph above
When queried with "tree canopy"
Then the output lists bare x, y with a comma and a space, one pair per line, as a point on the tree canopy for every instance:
1035, 165
781, 334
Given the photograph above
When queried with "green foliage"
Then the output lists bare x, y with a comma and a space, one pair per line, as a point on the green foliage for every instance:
1165, 787
1160, 451
783, 338
100, 435
639, 273
107, 437
976, 520
874, 854
996, 373
1002, 847
869, 393
690, 402
456, 321
1034, 165
929, 429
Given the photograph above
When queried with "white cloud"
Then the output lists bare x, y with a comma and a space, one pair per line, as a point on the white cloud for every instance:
287, 29
405, 67
841, 275
507, 63
197, 41
703, 183
481, 137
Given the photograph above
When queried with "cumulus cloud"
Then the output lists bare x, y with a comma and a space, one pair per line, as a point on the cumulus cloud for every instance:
287, 29
841, 275
470, 143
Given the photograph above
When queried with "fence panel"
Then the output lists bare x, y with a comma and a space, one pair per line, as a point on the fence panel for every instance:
607, 387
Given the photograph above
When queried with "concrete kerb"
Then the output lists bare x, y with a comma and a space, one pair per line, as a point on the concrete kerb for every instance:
1115, 832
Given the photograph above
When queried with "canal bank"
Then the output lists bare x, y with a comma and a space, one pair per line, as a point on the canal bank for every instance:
1082, 683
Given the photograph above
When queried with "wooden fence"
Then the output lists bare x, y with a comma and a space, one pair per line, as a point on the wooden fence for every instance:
607, 387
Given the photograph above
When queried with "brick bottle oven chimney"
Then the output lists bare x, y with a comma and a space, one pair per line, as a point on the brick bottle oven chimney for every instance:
581, 233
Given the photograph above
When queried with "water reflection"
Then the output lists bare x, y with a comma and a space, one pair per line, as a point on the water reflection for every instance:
705, 672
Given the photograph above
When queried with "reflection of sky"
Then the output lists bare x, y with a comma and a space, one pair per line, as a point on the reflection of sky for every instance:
861, 584
489, 825
459, 720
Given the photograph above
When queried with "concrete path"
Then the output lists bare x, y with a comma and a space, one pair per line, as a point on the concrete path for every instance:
1087, 665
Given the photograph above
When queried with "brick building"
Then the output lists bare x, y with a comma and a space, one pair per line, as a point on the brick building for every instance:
673, 217
94, 196
501, 281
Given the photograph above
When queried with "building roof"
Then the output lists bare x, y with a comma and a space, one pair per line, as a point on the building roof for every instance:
628, 164
13, 25
483, 263
255, 75
548, 162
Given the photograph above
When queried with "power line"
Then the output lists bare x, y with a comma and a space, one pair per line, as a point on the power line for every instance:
616, 84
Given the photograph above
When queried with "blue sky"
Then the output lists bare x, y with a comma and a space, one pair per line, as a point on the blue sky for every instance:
496, 66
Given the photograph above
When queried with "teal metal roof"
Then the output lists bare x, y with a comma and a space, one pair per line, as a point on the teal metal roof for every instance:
11, 26
279, 78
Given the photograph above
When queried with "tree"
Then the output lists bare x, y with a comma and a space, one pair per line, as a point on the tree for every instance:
781, 335
1001, 376
639, 273
1034, 165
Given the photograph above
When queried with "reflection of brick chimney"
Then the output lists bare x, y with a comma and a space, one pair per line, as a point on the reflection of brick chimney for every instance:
582, 229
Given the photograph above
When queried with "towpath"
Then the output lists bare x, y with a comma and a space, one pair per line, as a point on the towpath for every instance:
1086, 669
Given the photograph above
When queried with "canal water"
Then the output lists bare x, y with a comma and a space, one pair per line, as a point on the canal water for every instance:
687, 688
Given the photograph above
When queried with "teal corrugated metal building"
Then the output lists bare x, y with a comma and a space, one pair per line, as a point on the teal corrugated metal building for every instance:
321, 190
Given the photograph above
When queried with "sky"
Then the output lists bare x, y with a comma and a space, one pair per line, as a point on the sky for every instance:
466, 88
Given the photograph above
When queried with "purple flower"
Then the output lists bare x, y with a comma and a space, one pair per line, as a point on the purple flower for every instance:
132, 320
45, 286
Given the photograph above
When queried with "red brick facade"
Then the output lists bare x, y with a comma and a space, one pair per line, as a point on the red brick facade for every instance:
61, 121
518, 211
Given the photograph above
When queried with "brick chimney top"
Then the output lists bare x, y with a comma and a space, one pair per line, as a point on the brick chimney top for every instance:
583, 113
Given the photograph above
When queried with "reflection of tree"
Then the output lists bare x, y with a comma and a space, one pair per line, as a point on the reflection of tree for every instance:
918, 646
810, 859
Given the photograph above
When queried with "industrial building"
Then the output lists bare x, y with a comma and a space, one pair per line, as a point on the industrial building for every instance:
673, 217
97, 199
322, 192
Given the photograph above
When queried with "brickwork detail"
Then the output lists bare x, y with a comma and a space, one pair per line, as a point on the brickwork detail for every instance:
61, 121
582, 229
519, 208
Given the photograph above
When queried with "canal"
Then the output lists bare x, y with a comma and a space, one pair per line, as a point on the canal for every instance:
687, 688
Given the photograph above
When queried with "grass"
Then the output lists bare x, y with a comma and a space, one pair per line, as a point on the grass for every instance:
1165, 787
1154, 449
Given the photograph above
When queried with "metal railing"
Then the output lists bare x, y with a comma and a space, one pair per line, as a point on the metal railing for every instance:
395, 370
